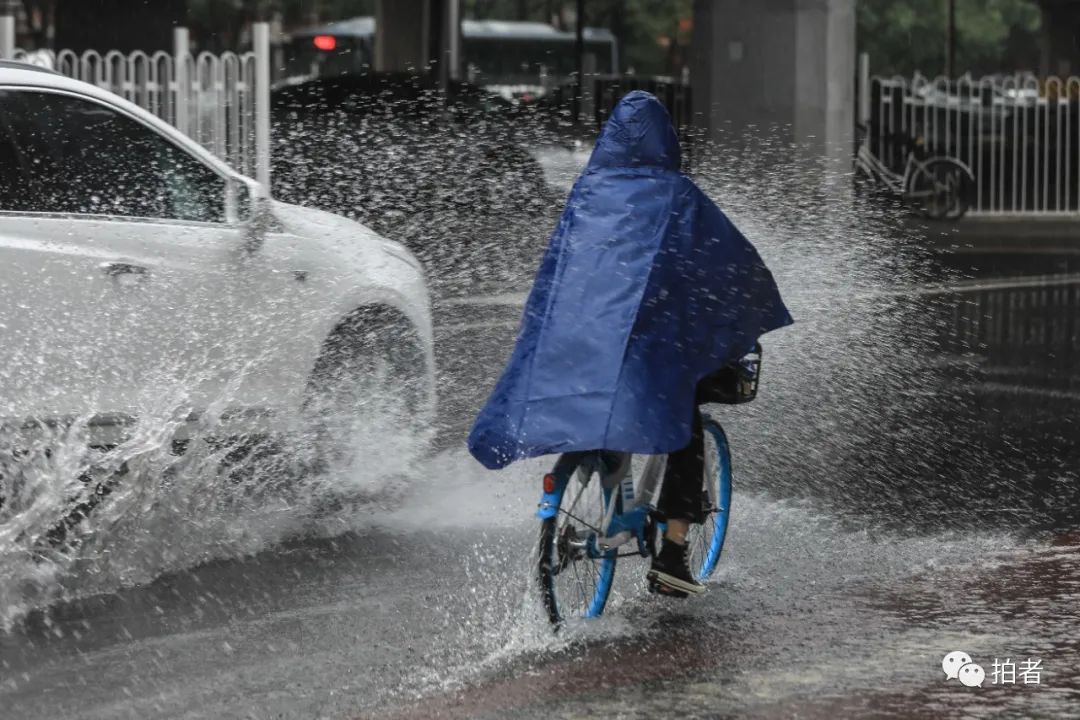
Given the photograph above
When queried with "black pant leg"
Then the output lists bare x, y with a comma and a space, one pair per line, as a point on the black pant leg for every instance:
681, 496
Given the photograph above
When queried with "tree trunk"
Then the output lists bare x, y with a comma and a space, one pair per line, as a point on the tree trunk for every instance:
618, 29
950, 39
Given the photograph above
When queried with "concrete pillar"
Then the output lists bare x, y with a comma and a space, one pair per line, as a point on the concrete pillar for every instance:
182, 63
7, 36
782, 67
261, 43
402, 40
451, 38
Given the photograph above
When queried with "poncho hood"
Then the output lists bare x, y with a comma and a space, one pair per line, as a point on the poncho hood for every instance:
638, 134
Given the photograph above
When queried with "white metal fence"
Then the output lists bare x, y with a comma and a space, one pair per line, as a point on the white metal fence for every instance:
1019, 134
221, 101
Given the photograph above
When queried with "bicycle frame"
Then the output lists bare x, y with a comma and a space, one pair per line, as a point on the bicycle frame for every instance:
612, 471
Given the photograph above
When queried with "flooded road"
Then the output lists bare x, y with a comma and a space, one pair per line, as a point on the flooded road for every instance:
906, 486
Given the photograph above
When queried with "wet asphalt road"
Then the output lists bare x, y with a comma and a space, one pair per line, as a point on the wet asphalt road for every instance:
929, 512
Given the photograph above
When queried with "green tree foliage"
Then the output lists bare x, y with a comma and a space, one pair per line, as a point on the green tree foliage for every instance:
905, 36
654, 35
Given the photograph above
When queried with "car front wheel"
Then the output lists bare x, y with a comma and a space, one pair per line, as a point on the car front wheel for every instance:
368, 407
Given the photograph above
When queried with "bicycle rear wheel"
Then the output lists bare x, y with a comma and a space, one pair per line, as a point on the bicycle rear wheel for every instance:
940, 189
706, 541
575, 578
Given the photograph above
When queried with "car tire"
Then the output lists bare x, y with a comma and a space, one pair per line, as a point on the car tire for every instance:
368, 407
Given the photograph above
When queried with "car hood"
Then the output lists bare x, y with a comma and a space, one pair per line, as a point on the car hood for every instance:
343, 234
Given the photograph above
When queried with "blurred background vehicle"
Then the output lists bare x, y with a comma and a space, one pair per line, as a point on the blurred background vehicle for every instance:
439, 170
519, 60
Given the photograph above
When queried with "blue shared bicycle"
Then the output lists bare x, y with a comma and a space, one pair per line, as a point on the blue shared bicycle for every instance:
593, 512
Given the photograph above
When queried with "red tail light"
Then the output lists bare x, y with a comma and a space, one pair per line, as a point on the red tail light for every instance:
325, 42
549, 483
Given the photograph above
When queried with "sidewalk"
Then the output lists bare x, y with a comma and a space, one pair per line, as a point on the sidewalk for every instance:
1027, 235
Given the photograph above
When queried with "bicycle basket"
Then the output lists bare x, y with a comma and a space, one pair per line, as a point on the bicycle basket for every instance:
735, 383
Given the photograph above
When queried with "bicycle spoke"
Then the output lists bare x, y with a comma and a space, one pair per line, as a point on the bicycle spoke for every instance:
575, 517
581, 490
595, 571
581, 590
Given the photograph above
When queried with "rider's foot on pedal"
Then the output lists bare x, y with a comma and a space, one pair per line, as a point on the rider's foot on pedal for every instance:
670, 571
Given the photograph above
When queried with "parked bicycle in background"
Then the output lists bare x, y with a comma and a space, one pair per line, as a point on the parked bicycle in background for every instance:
935, 186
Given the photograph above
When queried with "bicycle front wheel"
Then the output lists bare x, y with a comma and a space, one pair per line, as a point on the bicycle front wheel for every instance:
575, 578
706, 541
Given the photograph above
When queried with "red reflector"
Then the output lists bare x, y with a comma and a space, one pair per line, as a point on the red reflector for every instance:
325, 42
549, 483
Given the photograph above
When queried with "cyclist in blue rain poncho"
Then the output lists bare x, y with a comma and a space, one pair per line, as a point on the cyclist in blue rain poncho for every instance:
645, 289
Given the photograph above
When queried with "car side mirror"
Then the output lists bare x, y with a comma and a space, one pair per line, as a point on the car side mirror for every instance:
249, 204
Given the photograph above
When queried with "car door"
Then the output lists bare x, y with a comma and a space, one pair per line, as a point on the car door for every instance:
129, 292
50, 288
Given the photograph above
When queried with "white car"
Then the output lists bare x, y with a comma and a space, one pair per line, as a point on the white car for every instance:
146, 287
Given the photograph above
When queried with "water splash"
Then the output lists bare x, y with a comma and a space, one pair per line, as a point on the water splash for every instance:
174, 493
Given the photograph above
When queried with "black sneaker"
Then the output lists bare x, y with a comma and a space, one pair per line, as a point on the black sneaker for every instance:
670, 571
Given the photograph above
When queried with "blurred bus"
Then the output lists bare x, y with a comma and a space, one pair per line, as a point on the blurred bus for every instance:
506, 56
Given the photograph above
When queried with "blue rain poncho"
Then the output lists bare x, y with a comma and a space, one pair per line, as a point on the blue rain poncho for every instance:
646, 287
